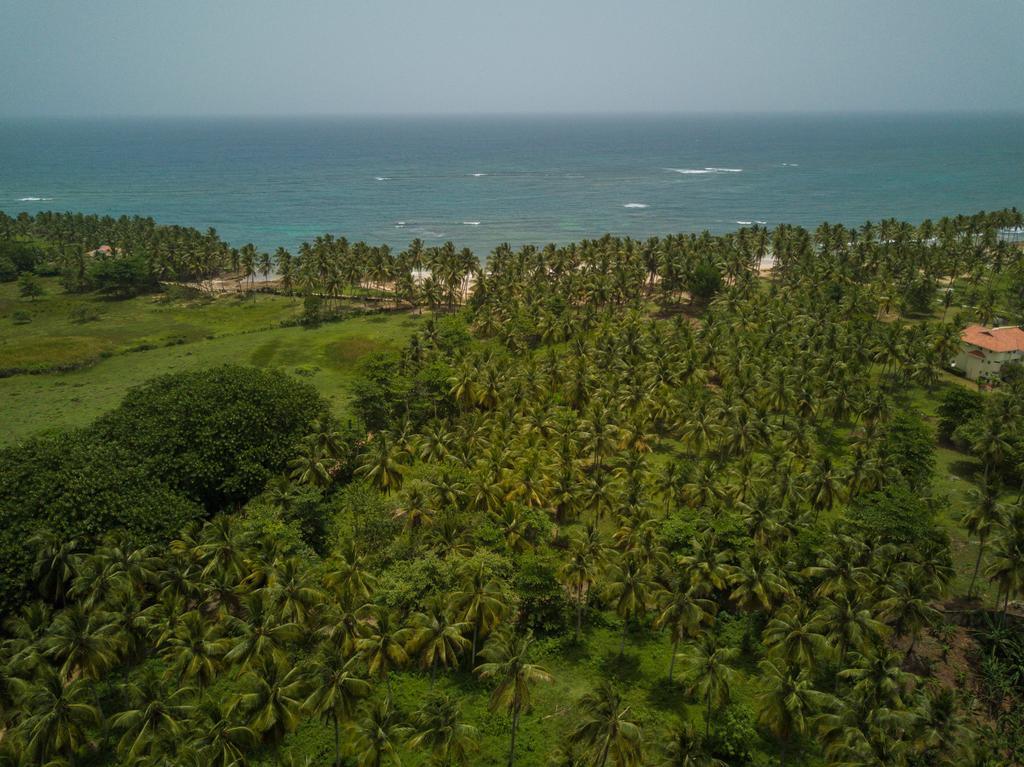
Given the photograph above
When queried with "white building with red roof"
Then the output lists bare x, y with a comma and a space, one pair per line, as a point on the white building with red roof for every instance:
984, 351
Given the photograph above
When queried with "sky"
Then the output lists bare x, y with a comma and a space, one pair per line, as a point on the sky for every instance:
349, 57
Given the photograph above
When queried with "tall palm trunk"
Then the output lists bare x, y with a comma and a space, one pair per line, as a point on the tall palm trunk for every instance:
672, 660
337, 741
476, 634
579, 610
977, 565
512, 742
622, 641
707, 719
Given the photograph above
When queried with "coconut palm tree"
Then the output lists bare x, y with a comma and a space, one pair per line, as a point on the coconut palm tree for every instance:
508, 661
383, 647
82, 644
788, 703
710, 674
608, 729
481, 603
336, 689
219, 739
377, 735
683, 612
630, 588
57, 718
380, 464
438, 727
154, 721
271, 699
685, 747
984, 515
436, 639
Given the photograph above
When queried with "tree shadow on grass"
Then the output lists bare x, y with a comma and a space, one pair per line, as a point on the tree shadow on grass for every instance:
665, 696
621, 668
966, 469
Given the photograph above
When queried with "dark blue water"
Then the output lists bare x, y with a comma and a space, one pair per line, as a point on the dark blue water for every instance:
277, 182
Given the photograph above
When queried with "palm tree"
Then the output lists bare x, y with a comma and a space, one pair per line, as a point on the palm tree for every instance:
380, 464
683, 612
336, 688
481, 603
629, 588
709, 674
578, 575
81, 643
436, 639
794, 636
221, 741
607, 729
1006, 567
271, 699
686, 747
195, 650
376, 735
788, 703
154, 719
55, 565
57, 717
259, 636
508, 662
383, 647
986, 512
438, 727
348, 576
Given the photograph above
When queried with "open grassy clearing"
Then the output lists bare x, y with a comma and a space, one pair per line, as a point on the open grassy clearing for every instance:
325, 356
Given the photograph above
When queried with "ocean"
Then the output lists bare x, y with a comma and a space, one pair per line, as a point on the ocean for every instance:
485, 180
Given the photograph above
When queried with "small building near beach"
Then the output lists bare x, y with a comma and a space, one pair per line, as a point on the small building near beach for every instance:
984, 351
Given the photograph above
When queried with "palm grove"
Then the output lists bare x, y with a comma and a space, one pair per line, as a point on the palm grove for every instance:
639, 442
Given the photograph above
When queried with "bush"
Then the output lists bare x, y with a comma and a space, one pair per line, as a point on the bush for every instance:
959, 405
77, 486
734, 736
122, 277
216, 435
29, 286
8, 271
909, 448
21, 318
23, 256
84, 314
896, 515
543, 606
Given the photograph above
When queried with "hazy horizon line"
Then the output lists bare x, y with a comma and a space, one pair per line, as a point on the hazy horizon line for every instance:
1005, 112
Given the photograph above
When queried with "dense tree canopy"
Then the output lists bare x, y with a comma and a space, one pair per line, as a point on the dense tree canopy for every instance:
633, 443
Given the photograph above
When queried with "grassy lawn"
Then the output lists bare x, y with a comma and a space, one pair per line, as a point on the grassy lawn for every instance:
53, 338
226, 331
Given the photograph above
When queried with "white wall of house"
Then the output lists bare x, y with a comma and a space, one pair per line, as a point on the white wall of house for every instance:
975, 368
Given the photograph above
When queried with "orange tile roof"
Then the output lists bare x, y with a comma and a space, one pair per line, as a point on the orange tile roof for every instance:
1008, 339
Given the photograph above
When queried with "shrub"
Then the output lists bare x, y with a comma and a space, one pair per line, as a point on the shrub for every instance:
84, 314
217, 435
21, 318
959, 405
29, 286
543, 606
909, 448
122, 277
77, 486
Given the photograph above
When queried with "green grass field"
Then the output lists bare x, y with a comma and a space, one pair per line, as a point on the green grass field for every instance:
185, 334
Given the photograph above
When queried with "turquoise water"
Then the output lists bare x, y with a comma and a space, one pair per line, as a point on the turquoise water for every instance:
481, 181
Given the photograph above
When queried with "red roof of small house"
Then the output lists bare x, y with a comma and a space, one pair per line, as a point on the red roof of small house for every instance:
1008, 339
